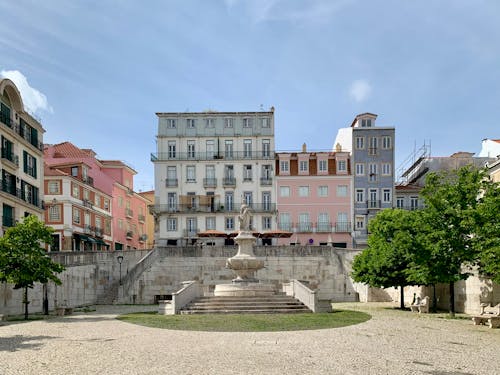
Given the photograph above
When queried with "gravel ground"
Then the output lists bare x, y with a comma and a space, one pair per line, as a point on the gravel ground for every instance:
392, 342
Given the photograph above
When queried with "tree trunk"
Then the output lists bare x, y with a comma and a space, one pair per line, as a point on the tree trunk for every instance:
402, 297
434, 299
26, 302
45, 299
452, 299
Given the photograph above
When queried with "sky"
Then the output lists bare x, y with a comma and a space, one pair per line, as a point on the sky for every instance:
96, 71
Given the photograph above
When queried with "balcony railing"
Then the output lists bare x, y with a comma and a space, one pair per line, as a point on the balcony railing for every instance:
209, 182
304, 227
88, 180
141, 218
285, 226
235, 155
193, 232
171, 182
19, 129
130, 234
10, 156
129, 212
266, 181
373, 204
190, 208
343, 227
229, 181
21, 194
323, 227
87, 203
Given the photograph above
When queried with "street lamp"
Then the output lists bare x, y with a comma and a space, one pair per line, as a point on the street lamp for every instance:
119, 258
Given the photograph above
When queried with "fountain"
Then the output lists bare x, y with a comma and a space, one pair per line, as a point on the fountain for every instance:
244, 264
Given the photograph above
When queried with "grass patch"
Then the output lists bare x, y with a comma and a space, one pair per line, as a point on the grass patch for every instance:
248, 322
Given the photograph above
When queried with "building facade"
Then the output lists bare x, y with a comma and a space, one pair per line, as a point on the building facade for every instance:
207, 165
372, 160
21, 161
150, 222
313, 191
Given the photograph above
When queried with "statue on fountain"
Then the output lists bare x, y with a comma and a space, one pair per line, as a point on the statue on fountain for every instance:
244, 218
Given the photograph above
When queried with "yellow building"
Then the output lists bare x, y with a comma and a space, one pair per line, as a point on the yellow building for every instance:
150, 221
21, 163
494, 170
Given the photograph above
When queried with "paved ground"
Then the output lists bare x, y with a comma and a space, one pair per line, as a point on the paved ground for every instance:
392, 342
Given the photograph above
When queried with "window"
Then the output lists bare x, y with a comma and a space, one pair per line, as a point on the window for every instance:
191, 173
74, 171
171, 176
304, 222
247, 172
55, 213
191, 149
386, 195
360, 222
342, 223
342, 166
171, 149
323, 222
373, 172
413, 203
210, 172
209, 122
265, 122
97, 200
284, 165
171, 123
171, 224
360, 143
229, 223
53, 187
386, 142
303, 165
29, 164
360, 169
171, 201
303, 191
228, 122
366, 123
285, 223
190, 123
373, 199
228, 151
106, 204
373, 146
229, 200
323, 165
120, 201
284, 191
210, 144
86, 194
247, 197
266, 222
342, 191
247, 148
266, 148
98, 222
191, 225
322, 191
360, 195
247, 122
400, 202
210, 222
266, 172
386, 169
76, 216
266, 201
120, 223
75, 192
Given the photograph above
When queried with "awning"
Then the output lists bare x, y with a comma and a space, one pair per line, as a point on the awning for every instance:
100, 242
84, 237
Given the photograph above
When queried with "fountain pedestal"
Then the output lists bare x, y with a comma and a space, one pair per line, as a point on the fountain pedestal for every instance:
244, 264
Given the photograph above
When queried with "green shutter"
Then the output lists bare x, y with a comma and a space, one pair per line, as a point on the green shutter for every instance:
34, 137
25, 161
34, 168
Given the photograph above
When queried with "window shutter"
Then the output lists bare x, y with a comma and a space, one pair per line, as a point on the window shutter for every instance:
34, 167
25, 161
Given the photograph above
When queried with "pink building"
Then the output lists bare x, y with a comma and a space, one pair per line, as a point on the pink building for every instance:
114, 179
314, 192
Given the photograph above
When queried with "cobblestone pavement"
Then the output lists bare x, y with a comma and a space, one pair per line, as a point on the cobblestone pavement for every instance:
392, 342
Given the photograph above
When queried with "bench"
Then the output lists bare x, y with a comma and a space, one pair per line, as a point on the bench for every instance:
488, 315
421, 305
60, 311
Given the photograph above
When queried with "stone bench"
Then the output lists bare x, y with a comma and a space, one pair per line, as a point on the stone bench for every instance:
421, 305
60, 311
488, 315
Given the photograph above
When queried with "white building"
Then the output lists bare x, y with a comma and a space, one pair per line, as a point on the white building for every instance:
21, 162
490, 148
206, 166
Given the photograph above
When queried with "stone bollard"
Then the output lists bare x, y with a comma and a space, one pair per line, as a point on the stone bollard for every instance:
165, 307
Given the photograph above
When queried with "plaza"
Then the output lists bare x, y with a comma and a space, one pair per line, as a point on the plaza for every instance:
392, 342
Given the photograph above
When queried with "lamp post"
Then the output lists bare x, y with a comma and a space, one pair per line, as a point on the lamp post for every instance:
119, 258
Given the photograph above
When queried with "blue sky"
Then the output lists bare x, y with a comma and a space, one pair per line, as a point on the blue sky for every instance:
96, 71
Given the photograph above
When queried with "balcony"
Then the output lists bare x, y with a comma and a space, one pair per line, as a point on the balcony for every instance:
342, 227
193, 232
373, 204
130, 235
206, 208
5, 118
209, 182
129, 213
99, 232
202, 156
27, 197
305, 227
89, 229
372, 151
143, 237
22, 130
229, 181
11, 157
141, 218
285, 226
88, 180
171, 182
87, 203
266, 181
323, 227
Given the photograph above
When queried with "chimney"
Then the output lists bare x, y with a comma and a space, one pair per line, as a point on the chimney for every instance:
304, 148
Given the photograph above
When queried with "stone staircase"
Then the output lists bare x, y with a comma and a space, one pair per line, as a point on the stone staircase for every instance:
277, 304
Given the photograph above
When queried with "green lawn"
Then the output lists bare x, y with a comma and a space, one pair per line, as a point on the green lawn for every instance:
248, 322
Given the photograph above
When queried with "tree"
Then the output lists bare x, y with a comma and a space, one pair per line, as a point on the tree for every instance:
391, 246
23, 261
455, 210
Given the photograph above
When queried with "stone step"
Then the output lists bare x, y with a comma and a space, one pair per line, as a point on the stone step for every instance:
251, 299
246, 303
235, 306
261, 311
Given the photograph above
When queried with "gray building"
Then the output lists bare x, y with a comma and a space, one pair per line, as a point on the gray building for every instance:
372, 165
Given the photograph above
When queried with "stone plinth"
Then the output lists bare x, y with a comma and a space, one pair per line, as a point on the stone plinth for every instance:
243, 289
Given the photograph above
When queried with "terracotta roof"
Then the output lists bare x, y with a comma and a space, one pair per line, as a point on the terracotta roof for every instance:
408, 187
48, 171
69, 150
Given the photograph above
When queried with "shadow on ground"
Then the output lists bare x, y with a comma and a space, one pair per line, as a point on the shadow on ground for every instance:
20, 342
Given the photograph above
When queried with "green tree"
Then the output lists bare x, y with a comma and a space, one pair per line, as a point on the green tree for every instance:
23, 260
391, 247
455, 210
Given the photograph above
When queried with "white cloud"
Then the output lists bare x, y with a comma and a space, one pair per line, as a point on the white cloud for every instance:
360, 90
33, 99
